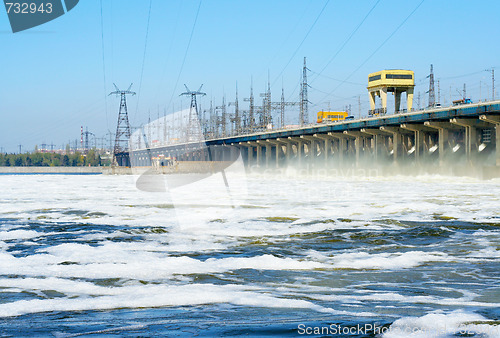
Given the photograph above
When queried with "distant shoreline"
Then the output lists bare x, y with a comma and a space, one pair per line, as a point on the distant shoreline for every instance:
52, 170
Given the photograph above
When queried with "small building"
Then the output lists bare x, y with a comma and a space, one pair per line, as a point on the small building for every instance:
331, 116
395, 81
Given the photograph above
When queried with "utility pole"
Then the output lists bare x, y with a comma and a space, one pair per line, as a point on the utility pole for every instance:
165, 136
268, 118
492, 84
221, 122
122, 129
158, 124
281, 107
303, 117
110, 140
20, 148
439, 93
211, 121
236, 119
265, 118
432, 98
251, 116
149, 127
359, 107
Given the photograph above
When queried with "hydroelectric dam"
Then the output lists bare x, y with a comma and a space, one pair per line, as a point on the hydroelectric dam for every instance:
457, 136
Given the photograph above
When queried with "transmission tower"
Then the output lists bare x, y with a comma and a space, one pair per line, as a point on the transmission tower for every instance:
120, 153
265, 117
193, 130
220, 122
492, 84
86, 135
210, 128
432, 96
251, 111
281, 107
236, 119
303, 117
439, 93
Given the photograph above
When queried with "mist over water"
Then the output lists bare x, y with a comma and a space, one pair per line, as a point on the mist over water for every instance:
411, 256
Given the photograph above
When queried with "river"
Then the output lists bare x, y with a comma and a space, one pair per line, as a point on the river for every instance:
286, 255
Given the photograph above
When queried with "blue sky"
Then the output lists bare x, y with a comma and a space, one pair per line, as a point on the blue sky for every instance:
54, 79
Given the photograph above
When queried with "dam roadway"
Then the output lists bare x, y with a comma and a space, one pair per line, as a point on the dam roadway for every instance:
465, 135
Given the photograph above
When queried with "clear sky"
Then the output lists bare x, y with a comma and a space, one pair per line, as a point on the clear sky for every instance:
55, 77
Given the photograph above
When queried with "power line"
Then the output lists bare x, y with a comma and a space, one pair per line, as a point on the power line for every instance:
302, 42
167, 57
338, 80
293, 91
284, 41
143, 58
464, 75
185, 54
376, 50
347, 40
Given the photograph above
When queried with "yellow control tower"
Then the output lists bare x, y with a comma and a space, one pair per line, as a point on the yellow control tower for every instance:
394, 81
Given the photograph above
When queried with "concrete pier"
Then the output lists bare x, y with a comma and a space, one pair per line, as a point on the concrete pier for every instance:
494, 120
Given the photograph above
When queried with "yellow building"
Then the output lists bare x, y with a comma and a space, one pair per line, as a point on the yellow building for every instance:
331, 116
395, 81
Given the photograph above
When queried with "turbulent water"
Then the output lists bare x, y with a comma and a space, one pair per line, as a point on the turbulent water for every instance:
348, 256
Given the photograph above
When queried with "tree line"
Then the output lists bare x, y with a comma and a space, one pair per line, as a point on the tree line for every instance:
37, 159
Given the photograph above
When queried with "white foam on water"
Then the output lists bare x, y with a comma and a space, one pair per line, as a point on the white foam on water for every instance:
158, 296
19, 234
65, 286
393, 297
119, 201
380, 261
439, 324
312, 205
112, 261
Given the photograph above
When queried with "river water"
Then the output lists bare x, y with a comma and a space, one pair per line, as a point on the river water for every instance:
354, 256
